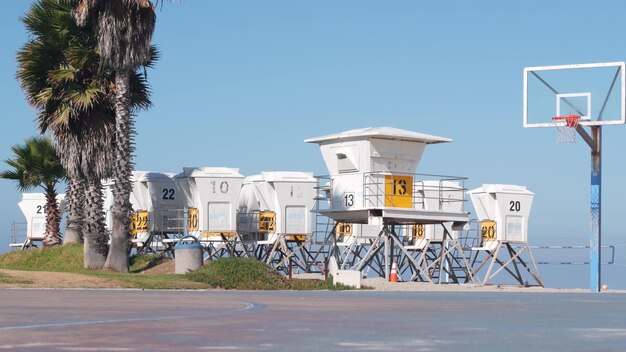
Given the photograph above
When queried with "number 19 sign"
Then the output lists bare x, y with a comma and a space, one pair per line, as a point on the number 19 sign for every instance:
399, 191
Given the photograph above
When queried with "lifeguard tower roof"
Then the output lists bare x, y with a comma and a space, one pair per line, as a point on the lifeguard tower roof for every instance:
389, 133
210, 172
148, 176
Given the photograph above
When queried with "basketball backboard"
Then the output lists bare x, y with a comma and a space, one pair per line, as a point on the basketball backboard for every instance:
596, 92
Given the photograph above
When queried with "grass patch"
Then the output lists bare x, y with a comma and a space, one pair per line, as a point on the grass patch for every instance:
67, 258
251, 274
239, 274
313, 284
226, 273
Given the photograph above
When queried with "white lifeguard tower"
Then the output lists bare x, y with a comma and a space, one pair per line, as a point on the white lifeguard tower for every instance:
214, 192
275, 212
33, 206
372, 182
503, 212
162, 196
425, 242
159, 203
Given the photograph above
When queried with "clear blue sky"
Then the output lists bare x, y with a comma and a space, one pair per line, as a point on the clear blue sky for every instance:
243, 83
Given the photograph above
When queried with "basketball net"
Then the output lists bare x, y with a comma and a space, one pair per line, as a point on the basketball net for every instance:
566, 128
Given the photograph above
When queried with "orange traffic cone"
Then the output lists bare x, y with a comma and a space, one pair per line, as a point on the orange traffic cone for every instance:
393, 277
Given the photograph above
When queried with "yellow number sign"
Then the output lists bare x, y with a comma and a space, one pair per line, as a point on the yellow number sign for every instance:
399, 191
139, 222
296, 238
344, 229
192, 219
418, 231
488, 230
267, 222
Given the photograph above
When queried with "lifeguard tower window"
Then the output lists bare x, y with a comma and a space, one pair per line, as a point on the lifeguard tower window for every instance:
345, 164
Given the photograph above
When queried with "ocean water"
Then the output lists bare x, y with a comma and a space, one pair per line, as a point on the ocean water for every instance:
577, 276
566, 268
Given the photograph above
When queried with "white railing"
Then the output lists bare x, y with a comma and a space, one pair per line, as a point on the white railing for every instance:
415, 191
18, 232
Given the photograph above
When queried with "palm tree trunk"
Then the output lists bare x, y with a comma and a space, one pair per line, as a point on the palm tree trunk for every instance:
94, 231
74, 199
53, 219
117, 260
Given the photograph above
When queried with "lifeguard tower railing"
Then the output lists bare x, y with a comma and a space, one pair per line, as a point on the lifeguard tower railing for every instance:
171, 222
414, 191
382, 189
411, 191
167, 226
18, 234
256, 225
159, 230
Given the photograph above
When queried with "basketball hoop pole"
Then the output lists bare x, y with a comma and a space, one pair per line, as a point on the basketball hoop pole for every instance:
585, 93
595, 143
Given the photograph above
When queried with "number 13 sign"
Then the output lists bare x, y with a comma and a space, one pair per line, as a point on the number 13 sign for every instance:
399, 191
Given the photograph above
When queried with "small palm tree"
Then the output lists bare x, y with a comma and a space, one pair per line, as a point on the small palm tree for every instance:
35, 164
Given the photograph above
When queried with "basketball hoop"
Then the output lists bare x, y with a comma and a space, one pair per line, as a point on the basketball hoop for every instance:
566, 128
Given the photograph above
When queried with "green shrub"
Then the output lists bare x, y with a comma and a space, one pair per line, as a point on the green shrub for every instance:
251, 274
328, 284
239, 274
57, 258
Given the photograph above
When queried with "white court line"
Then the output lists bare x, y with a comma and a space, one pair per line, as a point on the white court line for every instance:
32, 345
247, 306
113, 349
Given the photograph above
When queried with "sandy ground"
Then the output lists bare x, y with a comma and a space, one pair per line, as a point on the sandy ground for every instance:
43, 279
165, 267
380, 284
46, 279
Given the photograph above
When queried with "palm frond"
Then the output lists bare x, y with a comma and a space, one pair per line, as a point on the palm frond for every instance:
35, 163
63, 74
60, 68
82, 98
124, 28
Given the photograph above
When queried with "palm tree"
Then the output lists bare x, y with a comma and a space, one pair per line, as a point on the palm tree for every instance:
124, 30
74, 200
61, 73
35, 164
